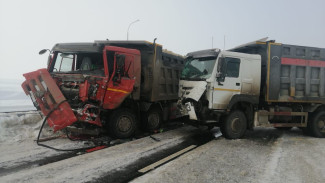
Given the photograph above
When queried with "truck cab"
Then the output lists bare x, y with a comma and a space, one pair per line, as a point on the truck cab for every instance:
82, 81
213, 81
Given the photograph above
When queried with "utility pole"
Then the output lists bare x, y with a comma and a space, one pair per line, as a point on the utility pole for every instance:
127, 34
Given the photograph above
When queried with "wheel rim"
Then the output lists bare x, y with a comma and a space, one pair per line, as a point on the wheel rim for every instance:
124, 124
236, 125
153, 120
321, 125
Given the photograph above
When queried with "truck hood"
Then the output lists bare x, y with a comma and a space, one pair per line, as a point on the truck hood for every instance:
191, 89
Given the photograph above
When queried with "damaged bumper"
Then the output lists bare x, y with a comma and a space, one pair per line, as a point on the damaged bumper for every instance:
188, 110
190, 91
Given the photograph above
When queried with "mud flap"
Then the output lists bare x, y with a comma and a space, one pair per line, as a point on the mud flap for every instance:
47, 96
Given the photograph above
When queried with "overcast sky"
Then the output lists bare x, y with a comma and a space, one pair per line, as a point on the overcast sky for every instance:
179, 25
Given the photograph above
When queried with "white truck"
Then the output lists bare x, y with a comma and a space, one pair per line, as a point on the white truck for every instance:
262, 83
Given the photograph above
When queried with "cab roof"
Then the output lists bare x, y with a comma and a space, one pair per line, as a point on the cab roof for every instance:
98, 46
204, 53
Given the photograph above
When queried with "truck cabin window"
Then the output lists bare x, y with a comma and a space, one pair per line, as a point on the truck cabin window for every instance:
79, 63
110, 62
233, 65
198, 68
120, 64
63, 62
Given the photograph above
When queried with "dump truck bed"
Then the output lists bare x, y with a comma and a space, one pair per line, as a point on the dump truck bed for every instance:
290, 73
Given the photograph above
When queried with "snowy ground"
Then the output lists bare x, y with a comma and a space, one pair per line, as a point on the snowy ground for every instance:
263, 155
19, 126
18, 131
19, 154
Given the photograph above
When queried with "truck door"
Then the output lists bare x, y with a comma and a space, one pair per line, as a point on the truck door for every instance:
121, 77
227, 83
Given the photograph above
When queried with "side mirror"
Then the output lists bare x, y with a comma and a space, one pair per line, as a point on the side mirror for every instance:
43, 51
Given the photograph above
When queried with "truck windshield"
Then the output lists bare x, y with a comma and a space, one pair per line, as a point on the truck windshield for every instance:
84, 63
198, 68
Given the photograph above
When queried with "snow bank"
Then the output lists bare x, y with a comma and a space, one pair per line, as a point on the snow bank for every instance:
21, 126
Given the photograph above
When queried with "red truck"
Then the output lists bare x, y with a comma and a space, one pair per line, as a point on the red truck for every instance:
110, 84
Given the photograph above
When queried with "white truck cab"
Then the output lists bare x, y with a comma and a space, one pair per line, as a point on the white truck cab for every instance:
212, 80
261, 83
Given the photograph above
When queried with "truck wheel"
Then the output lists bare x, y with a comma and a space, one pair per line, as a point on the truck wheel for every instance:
316, 125
122, 123
152, 119
234, 125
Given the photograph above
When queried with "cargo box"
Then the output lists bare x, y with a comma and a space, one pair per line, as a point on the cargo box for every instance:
290, 73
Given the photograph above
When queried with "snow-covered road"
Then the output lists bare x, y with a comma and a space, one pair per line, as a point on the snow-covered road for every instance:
90, 166
21, 160
263, 155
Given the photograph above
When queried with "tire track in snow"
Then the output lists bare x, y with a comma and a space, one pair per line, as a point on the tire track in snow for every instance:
272, 165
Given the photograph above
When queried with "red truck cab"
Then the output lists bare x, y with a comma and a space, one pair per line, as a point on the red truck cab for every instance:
78, 84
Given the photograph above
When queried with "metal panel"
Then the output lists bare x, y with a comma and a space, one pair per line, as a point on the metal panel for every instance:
261, 119
274, 71
160, 72
47, 97
166, 73
295, 74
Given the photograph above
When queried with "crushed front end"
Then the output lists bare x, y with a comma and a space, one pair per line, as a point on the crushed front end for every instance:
71, 90
48, 98
190, 93
194, 85
64, 99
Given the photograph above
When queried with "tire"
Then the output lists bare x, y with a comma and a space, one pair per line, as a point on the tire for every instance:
235, 125
152, 119
316, 126
122, 123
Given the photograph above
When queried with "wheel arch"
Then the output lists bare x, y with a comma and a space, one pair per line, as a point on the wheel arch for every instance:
315, 108
245, 103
